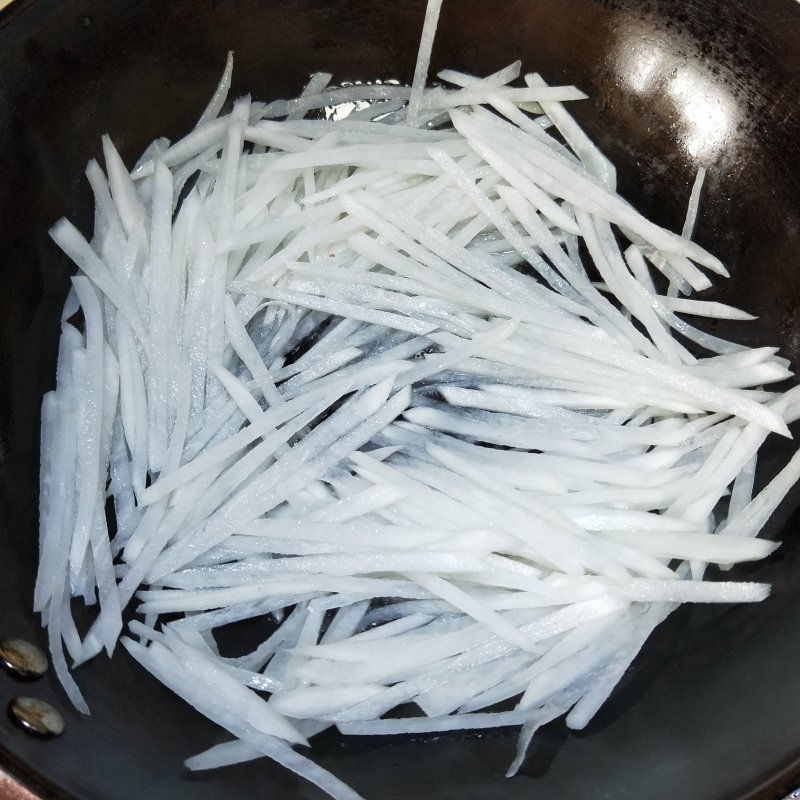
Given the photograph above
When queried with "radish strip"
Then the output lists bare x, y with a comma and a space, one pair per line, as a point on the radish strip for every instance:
429, 25
220, 93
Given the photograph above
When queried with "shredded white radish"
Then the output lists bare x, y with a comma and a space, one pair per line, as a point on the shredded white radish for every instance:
353, 375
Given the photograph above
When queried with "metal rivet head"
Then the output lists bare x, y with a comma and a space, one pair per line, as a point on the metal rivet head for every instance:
22, 659
36, 716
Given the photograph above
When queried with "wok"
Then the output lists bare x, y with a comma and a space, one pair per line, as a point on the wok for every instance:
709, 710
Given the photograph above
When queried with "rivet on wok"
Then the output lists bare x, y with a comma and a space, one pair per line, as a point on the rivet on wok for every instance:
22, 659
36, 716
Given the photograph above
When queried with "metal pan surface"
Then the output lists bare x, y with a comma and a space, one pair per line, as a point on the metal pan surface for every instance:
709, 711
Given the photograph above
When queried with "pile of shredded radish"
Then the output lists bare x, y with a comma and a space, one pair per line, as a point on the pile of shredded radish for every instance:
405, 383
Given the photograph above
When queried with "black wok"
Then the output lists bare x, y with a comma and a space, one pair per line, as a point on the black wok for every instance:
710, 710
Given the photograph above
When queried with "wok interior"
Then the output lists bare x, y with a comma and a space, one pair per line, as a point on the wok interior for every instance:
709, 709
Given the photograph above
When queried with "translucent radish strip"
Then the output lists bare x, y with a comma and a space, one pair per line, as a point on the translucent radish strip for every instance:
478, 95
265, 494
270, 420
343, 309
209, 134
388, 727
758, 511
429, 25
580, 143
69, 239
129, 208
499, 78
223, 755
694, 204
574, 187
247, 352
220, 93
88, 455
